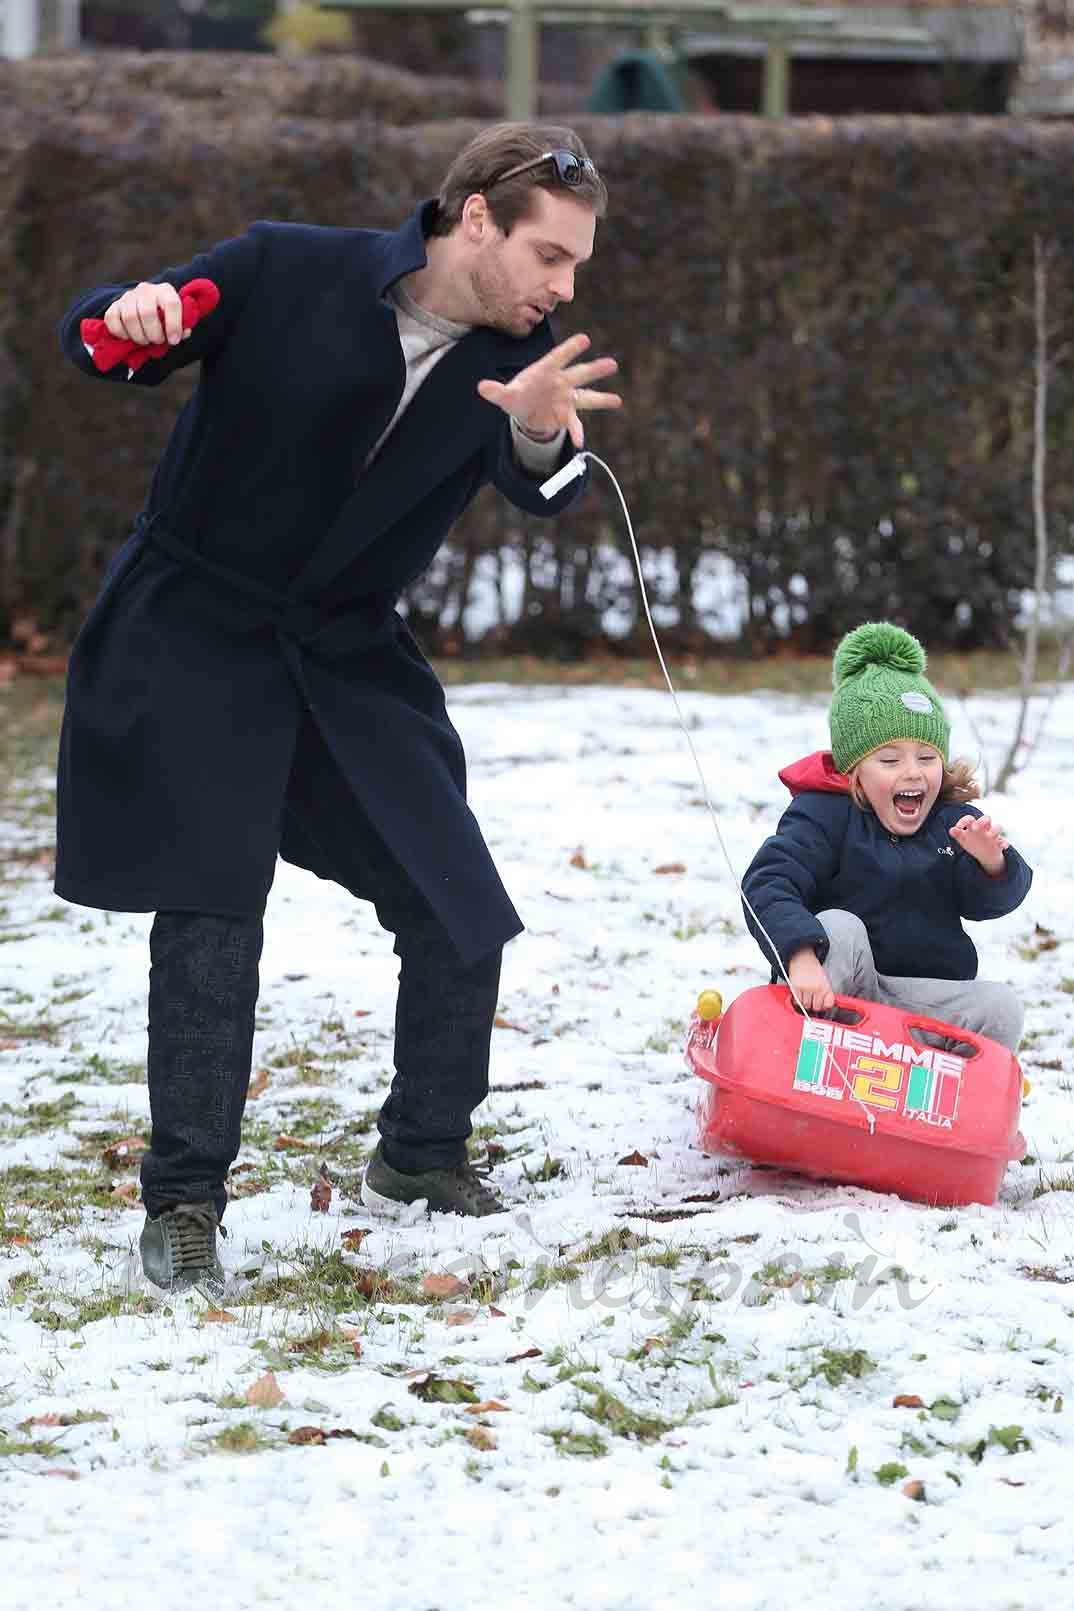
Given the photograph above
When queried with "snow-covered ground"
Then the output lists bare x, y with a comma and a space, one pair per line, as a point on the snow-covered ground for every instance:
626, 1401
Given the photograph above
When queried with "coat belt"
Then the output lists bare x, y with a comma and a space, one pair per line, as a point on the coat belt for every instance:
359, 625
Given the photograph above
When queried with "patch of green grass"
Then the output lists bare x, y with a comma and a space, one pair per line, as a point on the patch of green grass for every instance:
618, 1418
1011, 1438
837, 1365
547, 1275
243, 1438
63, 1193
80, 1312
589, 1445
41, 1028
611, 1245
24, 1445
727, 671
669, 1258
325, 1285
37, 1118
98, 1070
73, 1418
1062, 1182
572, 1368
322, 1349
890, 1473
550, 1169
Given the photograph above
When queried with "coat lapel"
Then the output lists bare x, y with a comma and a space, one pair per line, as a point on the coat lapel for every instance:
444, 425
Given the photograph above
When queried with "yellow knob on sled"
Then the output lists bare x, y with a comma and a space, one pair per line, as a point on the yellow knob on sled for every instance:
1026, 1087
709, 1005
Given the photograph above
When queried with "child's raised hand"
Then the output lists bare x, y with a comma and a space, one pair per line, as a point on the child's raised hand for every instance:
810, 982
983, 839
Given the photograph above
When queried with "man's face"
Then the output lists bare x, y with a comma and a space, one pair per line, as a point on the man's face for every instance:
517, 278
901, 782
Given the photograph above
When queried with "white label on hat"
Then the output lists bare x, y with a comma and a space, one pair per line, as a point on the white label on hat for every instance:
915, 701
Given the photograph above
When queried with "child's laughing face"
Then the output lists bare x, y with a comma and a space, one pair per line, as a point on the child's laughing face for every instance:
901, 781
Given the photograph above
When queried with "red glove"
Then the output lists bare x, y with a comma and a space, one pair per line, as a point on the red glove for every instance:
198, 298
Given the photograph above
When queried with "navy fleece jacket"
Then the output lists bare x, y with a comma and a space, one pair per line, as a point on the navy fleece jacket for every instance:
911, 891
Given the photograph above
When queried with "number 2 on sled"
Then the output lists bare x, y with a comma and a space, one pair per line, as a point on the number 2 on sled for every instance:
877, 1081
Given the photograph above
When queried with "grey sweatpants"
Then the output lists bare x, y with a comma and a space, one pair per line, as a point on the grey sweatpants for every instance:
976, 1004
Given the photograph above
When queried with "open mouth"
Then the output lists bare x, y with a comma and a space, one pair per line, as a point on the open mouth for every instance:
908, 802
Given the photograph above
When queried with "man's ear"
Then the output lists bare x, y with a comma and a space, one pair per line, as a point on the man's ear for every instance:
476, 219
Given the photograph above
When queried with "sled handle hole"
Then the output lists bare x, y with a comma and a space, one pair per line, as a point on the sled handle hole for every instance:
934, 1041
833, 1015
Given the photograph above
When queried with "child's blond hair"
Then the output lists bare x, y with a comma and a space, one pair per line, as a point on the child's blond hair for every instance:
959, 784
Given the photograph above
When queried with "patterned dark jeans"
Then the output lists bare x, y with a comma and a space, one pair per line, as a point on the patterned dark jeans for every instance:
202, 994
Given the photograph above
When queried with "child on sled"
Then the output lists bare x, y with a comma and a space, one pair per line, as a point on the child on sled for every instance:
879, 856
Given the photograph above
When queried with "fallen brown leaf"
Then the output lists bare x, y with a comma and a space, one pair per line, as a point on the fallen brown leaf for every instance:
283, 1143
363, 1012
321, 1192
907, 1401
311, 1344
66, 1471
245, 1188
368, 1283
127, 1150
529, 1353
578, 859
487, 1407
444, 1286
914, 1489
353, 1239
497, 1314
459, 1317
258, 1084
126, 1193
265, 1393
670, 867
221, 1317
481, 1438
505, 1023
637, 1158
306, 1434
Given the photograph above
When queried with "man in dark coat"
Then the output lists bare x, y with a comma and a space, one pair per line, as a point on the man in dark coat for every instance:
244, 687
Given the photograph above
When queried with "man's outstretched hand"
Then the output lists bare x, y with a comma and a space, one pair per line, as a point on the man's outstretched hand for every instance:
552, 393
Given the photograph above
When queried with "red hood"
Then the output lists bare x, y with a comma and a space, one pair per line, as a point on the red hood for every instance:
816, 771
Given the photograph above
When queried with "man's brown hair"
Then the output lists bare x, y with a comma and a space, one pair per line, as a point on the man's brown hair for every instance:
496, 151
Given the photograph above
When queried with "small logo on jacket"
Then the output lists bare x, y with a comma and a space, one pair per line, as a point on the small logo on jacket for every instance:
945, 850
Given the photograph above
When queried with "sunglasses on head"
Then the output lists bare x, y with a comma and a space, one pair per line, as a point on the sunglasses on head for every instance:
571, 169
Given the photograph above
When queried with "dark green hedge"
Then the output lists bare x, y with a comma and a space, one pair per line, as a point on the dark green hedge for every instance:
825, 333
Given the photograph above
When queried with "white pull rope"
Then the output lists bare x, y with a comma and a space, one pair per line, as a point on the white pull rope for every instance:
575, 467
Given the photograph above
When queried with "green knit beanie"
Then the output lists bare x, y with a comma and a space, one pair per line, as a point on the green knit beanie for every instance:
881, 694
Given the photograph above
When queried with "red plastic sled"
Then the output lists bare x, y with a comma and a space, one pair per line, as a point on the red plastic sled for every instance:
799, 1093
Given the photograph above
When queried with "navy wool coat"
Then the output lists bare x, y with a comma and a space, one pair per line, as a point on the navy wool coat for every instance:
258, 588
911, 891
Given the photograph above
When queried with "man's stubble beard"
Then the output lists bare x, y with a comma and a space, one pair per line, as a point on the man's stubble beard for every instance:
492, 296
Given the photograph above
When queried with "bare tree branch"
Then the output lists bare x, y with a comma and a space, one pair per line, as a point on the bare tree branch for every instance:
1028, 668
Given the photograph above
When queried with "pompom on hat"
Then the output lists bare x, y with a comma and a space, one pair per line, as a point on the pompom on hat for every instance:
882, 694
